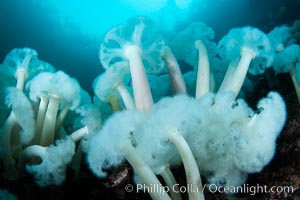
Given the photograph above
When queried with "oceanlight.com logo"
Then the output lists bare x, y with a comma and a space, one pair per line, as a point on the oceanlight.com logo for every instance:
250, 189
212, 188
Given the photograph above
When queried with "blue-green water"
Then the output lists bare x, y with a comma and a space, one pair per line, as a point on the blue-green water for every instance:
68, 33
